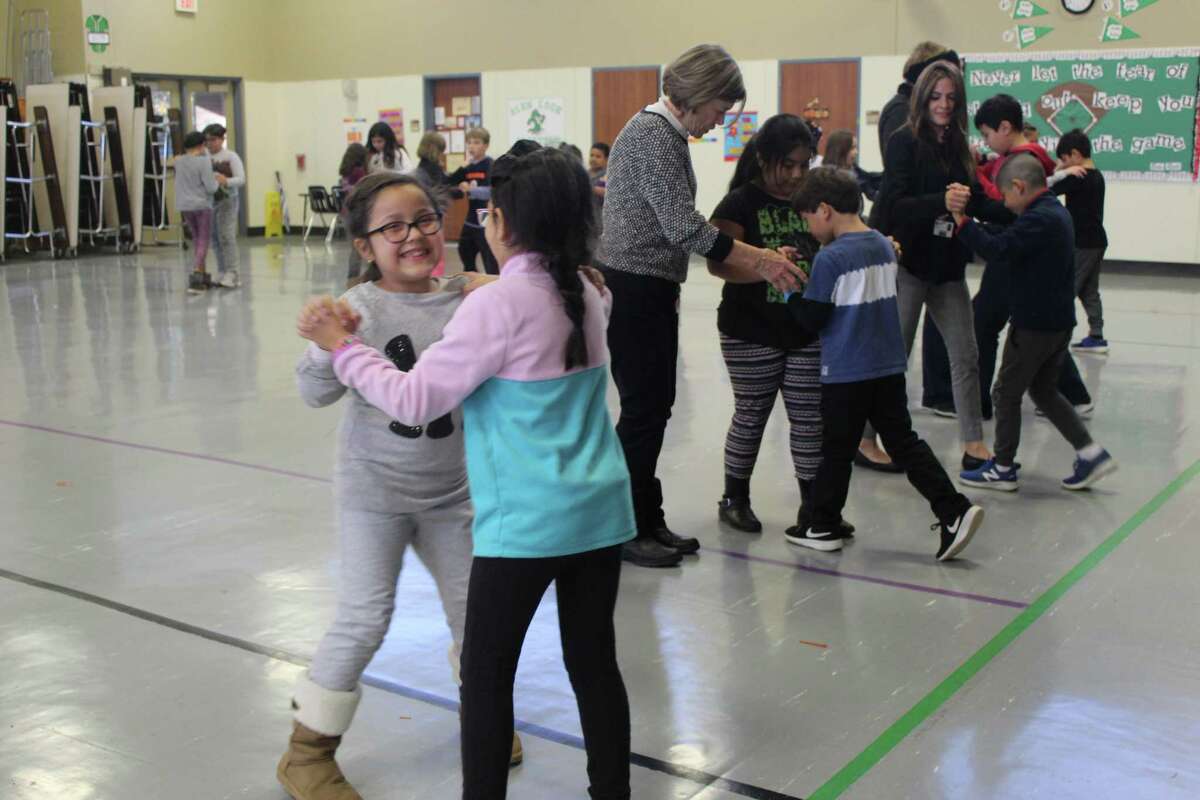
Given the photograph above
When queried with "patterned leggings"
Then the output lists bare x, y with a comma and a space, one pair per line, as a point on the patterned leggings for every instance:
758, 374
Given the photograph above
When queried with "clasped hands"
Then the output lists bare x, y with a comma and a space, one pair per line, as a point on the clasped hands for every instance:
958, 197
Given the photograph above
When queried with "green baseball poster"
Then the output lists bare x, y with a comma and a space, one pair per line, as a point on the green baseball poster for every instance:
1138, 107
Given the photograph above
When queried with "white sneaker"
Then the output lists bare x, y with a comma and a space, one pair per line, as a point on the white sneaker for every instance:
229, 280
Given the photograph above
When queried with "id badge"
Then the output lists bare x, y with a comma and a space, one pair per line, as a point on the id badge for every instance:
943, 228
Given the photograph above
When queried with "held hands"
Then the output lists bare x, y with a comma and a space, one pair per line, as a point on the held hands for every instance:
222, 180
326, 322
957, 198
777, 269
1075, 172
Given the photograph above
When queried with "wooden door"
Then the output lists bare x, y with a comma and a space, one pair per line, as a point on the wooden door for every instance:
618, 94
442, 92
824, 91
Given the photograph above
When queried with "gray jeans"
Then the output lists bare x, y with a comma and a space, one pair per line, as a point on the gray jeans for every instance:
1087, 288
1032, 362
949, 305
224, 233
372, 550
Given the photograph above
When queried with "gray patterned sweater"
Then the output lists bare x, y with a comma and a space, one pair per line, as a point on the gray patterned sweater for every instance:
382, 467
651, 225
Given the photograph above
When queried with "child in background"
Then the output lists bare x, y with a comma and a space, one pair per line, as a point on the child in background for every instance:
1030, 133
352, 170
764, 350
395, 485
841, 151
195, 185
1084, 188
1038, 250
850, 301
386, 153
526, 358
598, 172
474, 180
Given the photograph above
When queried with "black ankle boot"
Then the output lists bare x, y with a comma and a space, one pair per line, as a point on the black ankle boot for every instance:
736, 513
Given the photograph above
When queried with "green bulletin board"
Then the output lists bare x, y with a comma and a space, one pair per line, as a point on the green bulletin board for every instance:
1138, 107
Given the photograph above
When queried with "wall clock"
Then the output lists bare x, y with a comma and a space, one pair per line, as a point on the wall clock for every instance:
1078, 6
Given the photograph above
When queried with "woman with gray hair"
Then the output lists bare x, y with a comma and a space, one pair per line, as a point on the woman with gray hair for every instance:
651, 229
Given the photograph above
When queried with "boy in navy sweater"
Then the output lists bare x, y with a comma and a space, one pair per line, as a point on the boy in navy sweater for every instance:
850, 301
1039, 252
1083, 185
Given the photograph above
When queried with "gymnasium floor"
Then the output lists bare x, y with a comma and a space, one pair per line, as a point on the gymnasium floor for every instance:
167, 557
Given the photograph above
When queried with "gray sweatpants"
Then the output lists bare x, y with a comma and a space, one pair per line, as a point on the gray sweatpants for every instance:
372, 550
224, 233
1087, 288
949, 305
1032, 362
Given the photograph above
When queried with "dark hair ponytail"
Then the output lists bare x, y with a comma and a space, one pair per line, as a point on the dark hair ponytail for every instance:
778, 137
361, 201
546, 199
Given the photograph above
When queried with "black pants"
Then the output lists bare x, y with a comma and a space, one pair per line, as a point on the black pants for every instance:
992, 311
643, 345
845, 408
472, 241
502, 597
1032, 362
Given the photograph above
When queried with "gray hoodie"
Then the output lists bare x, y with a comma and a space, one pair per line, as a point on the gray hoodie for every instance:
378, 469
195, 183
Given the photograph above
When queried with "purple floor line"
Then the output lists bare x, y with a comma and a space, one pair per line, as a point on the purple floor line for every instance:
167, 451
833, 573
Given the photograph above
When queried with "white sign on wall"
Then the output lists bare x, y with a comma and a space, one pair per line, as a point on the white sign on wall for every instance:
541, 119
186, 6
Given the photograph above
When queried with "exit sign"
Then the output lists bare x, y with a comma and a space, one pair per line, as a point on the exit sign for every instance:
186, 6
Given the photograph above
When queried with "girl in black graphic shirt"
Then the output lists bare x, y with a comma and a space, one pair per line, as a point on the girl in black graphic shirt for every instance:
764, 349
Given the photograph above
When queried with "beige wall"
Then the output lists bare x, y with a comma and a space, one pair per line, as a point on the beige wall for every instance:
66, 37
228, 38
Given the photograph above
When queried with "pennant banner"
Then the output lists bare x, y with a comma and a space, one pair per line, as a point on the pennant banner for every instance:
1116, 31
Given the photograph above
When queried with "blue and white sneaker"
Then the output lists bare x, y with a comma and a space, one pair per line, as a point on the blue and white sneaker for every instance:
1091, 344
1088, 471
989, 476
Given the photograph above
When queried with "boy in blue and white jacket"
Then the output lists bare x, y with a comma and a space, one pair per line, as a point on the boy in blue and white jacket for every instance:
850, 301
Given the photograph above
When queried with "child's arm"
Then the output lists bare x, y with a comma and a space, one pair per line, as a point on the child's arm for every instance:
982, 206
472, 349
813, 308
238, 169
209, 177
318, 385
1011, 244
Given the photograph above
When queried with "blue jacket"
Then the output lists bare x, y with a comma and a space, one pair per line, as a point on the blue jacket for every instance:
1038, 250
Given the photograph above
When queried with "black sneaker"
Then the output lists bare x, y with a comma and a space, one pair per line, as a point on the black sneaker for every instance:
736, 513
957, 534
945, 410
684, 545
649, 553
825, 541
197, 282
803, 519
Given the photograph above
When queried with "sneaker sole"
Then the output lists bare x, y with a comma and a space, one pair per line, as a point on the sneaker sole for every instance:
825, 546
944, 414
971, 523
995, 486
1107, 468
1096, 351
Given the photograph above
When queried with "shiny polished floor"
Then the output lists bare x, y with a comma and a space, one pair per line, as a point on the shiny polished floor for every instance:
167, 556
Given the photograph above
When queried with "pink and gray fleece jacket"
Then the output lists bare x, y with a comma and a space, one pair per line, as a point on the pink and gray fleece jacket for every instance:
547, 473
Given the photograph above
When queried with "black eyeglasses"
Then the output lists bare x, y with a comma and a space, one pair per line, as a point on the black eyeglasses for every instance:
398, 232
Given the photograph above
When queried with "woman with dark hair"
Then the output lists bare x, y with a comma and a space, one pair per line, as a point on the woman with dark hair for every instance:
352, 170
387, 154
928, 163
765, 351
651, 229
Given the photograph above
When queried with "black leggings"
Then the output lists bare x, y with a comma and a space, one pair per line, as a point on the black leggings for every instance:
504, 594
472, 241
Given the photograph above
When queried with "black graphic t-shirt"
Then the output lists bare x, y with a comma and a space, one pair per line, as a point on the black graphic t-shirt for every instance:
757, 312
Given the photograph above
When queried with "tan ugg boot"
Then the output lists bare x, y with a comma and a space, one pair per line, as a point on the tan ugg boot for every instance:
308, 770
518, 752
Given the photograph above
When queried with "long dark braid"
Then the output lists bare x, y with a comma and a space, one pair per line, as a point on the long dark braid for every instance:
546, 199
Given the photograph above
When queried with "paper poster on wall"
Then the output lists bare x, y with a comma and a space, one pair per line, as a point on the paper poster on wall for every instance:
460, 106
541, 119
738, 132
474, 121
394, 117
458, 142
356, 129
476, 105
439, 116
1138, 108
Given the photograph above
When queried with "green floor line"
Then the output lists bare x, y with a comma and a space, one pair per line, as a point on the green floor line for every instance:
930, 703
